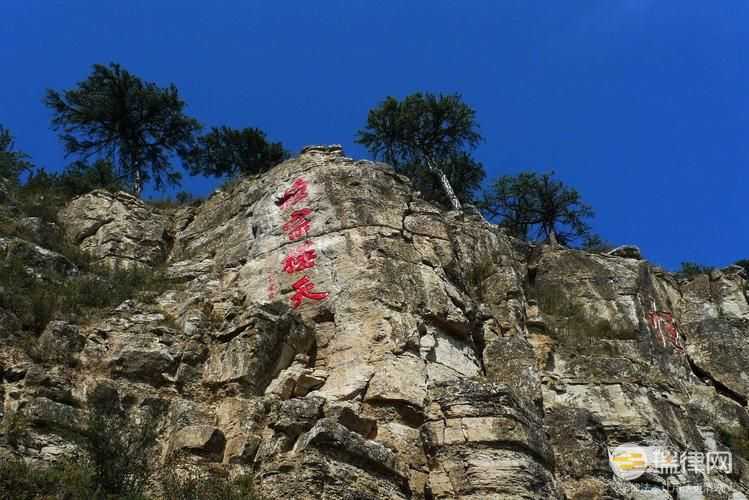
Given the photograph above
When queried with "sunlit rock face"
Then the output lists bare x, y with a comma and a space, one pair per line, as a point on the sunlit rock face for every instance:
337, 337
118, 229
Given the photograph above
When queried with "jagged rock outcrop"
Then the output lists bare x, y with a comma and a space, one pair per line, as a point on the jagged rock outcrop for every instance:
430, 356
627, 251
117, 229
614, 376
34, 257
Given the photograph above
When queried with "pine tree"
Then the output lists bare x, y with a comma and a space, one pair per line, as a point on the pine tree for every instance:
137, 125
429, 138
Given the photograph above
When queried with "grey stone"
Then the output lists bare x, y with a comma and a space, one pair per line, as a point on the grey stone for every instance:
626, 251
117, 228
60, 342
447, 360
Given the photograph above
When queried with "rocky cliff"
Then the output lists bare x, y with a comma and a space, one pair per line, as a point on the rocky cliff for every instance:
329, 332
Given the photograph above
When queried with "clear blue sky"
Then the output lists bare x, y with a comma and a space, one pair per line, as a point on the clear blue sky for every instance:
641, 105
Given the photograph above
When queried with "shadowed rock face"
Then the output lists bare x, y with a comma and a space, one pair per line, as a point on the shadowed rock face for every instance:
446, 360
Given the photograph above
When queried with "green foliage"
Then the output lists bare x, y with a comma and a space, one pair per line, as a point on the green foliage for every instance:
47, 234
737, 439
137, 125
106, 287
477, 275
745, 264
183, 197
595, 244
117, 451
195, 487
77, 480
532, 205
45, 193
30, 300
463, 173
34, 296
12, 163
114, 466
14, 427
690, 270
81, 178
423, 134
35, 300
568, 320
180, 199
230, 152
19, 481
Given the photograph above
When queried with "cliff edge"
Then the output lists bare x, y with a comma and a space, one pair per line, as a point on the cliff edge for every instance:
329, 332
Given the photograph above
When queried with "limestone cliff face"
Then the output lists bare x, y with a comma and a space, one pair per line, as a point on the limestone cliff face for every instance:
390, 349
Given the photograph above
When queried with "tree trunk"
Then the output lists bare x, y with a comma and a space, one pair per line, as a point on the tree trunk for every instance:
454, 201
136, 170
553, 238
137, 182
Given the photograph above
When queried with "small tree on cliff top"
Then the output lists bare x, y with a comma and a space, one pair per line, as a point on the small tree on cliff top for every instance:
745, 264
230, 152
135, 124
429, 138
12, 163
532, 205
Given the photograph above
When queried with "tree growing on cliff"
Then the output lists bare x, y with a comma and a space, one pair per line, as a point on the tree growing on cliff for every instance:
532, 205
12, 163
594, 243
230, 152
691, 270
135, 124
745, 264
76, 179
429, 138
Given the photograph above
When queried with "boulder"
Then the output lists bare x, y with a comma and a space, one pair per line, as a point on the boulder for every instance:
265, 343
201, 440
117, 229
36, 259
626, 251
60, 342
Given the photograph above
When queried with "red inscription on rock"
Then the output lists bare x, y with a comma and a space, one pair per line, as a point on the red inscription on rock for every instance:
665, 326
298, 226
304, 290
296, 193
300, 259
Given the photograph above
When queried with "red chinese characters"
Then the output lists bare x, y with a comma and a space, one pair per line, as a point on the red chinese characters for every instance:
303, 257
296, 193
665, 326
300, 259
304, 290
272, 287
298, 226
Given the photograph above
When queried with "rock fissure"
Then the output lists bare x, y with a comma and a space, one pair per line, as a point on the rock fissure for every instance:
721, 389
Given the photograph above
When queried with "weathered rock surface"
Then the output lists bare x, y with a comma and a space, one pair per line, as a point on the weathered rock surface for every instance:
626, 251
117, 228
446, 360
35, 258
